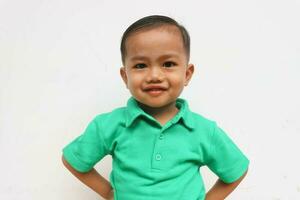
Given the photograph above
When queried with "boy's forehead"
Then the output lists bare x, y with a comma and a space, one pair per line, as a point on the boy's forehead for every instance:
171, 29
165, 38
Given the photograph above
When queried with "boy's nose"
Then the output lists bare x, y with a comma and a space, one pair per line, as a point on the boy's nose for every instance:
155, 75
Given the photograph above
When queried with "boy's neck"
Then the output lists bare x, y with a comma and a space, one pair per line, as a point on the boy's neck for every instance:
162, 114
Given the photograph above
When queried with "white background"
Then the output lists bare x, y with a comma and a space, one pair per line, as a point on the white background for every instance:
59, 67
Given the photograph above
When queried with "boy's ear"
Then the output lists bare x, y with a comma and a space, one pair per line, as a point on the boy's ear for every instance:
188, 74
124, 75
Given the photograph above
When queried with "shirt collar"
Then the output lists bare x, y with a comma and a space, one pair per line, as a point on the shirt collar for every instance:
133, 111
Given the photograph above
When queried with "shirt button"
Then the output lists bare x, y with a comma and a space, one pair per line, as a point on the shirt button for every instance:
161, 136
158, 157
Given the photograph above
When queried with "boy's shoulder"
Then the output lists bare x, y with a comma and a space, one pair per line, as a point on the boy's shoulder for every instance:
116, 115
202, 121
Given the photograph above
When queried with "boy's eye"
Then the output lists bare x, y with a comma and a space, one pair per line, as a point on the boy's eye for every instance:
140, 66
169, 64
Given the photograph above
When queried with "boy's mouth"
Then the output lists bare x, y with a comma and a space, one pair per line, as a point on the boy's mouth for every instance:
154, 90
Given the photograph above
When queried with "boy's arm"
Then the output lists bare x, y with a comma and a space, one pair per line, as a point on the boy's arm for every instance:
93, 180
221, 190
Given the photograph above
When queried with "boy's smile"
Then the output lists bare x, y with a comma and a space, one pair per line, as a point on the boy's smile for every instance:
156, 68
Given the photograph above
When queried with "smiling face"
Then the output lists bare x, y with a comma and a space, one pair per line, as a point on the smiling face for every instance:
155, 69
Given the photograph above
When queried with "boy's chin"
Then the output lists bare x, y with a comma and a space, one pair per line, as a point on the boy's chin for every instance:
154, 104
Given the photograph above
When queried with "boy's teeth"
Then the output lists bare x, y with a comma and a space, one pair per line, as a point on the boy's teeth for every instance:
155, 89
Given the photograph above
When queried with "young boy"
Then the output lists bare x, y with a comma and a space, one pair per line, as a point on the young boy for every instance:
156, 142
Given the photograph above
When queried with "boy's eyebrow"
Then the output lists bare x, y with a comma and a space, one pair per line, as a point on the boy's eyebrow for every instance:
140, 57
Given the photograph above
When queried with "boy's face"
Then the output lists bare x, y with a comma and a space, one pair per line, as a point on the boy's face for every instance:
156, 68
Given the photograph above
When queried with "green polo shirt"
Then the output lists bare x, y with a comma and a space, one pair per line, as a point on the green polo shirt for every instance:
154, 162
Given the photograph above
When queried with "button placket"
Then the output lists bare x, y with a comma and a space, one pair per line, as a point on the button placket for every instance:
161, 136
158, 155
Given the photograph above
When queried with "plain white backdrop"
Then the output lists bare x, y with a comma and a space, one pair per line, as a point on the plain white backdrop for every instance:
59, 67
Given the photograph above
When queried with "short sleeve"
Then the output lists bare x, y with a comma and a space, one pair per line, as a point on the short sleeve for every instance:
87, 149
227, 161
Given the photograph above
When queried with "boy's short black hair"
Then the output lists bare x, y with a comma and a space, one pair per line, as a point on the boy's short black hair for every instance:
153, 21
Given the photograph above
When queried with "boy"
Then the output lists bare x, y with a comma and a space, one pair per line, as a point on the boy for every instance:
156, 142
